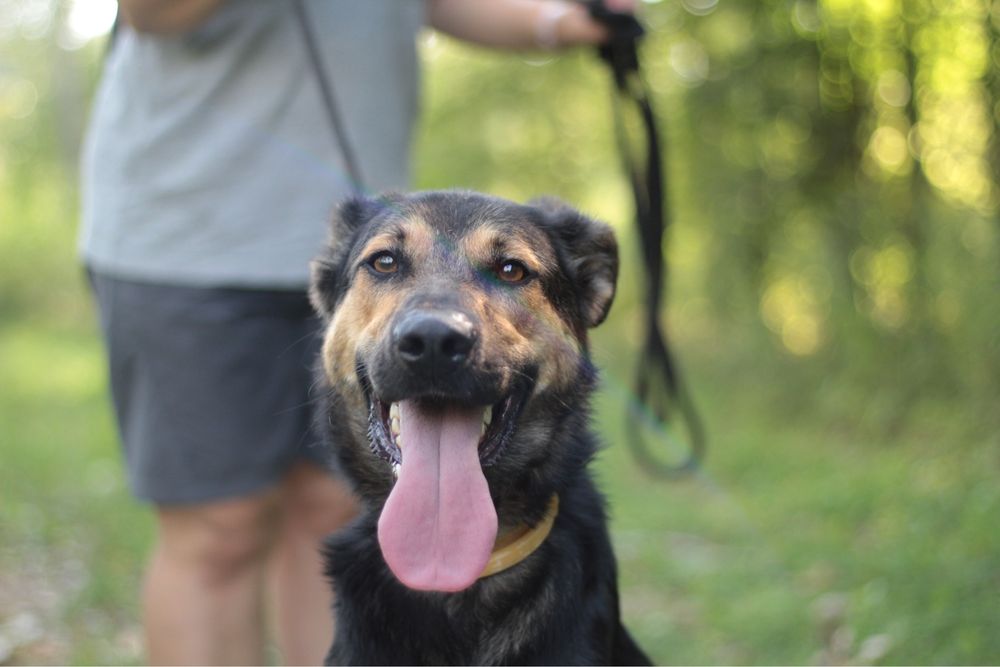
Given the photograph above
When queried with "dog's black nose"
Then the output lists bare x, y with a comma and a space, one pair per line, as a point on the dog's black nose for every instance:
435, 341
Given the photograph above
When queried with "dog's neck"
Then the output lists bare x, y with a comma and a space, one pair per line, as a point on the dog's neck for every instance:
514, 546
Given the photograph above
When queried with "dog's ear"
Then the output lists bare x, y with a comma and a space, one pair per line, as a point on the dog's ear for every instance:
589, 251
327, 280
323, 281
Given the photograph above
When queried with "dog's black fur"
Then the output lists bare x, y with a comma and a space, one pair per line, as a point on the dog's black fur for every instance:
559, 605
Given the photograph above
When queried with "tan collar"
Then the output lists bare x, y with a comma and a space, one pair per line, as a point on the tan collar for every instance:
517, 545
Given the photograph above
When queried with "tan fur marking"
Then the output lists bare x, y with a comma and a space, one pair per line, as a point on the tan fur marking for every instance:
531, 331
556, 347
528, 333
414, 232
359, 321
365, 312
480, 243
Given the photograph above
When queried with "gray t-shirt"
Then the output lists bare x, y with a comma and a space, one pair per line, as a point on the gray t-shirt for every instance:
210, 160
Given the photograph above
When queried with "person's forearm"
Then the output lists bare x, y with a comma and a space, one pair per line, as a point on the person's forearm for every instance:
166, 16
516, 24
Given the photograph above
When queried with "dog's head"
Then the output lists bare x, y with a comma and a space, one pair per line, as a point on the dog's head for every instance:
455, 351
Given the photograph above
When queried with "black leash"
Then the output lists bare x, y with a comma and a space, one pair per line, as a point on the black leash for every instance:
325, 84
660, 391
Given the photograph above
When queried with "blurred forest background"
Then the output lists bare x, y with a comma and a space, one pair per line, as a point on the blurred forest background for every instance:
834, 300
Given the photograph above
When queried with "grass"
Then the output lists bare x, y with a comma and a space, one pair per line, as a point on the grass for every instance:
72, 539
789, 517
805, 540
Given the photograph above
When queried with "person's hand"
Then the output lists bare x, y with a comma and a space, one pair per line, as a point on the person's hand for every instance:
566, 24
522, 24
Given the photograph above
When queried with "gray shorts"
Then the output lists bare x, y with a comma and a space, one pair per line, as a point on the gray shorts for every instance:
211, 387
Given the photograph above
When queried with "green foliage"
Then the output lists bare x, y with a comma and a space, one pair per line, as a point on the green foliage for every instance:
830, 168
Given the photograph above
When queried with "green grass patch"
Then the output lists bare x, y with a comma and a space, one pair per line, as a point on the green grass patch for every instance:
73, 541
794, 515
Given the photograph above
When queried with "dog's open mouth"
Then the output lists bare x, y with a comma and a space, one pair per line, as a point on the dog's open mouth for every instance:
496, 425
438, 526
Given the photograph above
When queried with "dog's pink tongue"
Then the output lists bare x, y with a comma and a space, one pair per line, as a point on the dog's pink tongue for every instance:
438, 526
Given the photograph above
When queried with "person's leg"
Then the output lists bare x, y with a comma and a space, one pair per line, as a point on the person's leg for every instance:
203, 595
211, 392
314, 505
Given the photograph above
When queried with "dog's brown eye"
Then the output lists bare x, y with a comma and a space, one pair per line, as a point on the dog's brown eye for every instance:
384, 262
511, 271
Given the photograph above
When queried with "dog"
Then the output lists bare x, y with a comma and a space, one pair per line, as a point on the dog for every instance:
455, 379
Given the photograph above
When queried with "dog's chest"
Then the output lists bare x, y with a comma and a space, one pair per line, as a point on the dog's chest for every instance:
380, 621
555, 610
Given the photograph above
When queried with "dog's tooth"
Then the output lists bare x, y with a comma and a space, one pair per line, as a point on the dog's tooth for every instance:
399, 442
395, 470
488, 415
394, 423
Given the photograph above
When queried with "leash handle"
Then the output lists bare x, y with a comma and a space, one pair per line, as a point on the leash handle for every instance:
621, 50
325, 83
659, 388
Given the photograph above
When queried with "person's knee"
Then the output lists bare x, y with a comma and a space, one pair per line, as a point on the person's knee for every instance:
219, 541
316, 503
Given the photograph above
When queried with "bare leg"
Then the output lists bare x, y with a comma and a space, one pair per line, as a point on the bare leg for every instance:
203, 593
313, 506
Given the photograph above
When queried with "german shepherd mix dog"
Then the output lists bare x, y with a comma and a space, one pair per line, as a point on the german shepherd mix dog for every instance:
455, 381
